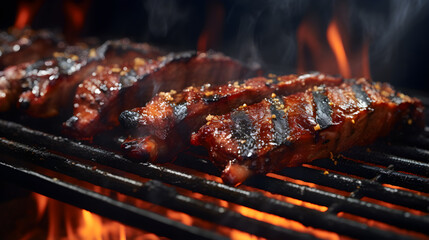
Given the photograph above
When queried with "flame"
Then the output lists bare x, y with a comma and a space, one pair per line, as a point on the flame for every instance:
181, 217
336, 43
68, 222
310, 49
26, 12
267, 217
331, 53
212, 32
75, 13
283, 222
42, 203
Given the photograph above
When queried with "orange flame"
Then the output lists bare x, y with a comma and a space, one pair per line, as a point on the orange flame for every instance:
212, 32
26, 12
336, 43
320, 52
75, 13
68, 222
42, 203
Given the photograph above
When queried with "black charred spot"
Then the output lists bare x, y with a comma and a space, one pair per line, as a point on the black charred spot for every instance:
66, 65
361, 95
27, 83
323, 109
243, 131
280, 123
213, 98
35, 66
128, 79
71, 121
129, 119
180, 111
24, 103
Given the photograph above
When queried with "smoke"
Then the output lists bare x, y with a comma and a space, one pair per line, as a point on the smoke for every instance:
264, 32
398, 34
164, 15
386, 23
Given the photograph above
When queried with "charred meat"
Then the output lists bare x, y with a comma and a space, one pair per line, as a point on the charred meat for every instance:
102, 97
163, 128
51, 83
11, 85
27, 46
286, 131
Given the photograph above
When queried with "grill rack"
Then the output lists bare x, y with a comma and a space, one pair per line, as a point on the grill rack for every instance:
360, 173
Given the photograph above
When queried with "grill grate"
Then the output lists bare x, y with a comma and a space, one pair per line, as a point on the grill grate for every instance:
343, 185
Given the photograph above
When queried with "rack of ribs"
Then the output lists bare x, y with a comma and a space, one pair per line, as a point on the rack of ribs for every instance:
51, 83
286, 131
162, 129
101, 98
26, 45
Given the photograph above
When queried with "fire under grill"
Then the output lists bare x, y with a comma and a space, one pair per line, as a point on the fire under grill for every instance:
379, 192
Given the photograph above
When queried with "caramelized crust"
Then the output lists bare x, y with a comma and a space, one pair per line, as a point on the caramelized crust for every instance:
11, 85
287, 131
163, 127
27, 46
101, 98
52, 83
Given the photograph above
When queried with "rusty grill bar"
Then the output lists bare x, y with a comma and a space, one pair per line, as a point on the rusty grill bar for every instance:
360, 173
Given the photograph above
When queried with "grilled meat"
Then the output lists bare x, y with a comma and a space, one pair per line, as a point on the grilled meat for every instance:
52, 82
10, 85
163, 127
101, 98
27, 46
286, 131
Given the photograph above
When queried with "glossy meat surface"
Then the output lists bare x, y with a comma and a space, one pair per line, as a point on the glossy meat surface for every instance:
101, 98
52, 83
27, 46
162, 128
11, 85
286, 131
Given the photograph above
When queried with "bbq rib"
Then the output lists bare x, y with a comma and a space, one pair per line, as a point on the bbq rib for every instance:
27, 46
51, 83
286, 131
102, 97
11, 85
163, 128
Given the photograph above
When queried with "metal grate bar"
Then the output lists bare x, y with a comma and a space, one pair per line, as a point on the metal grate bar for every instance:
384, 159
414, 153
152, 191
385, 175
98, 203
346, 204
254, 200
367, 187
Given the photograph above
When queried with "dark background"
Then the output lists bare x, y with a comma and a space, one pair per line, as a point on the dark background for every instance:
261, 32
